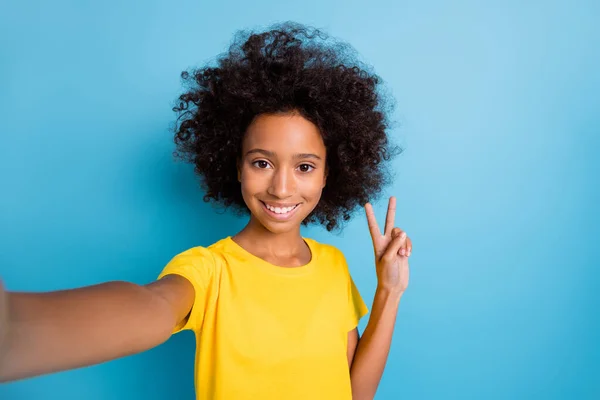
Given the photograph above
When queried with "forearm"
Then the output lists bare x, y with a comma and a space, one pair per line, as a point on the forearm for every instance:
374, 346
49, 332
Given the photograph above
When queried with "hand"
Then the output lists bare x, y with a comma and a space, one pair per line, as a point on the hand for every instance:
392, 249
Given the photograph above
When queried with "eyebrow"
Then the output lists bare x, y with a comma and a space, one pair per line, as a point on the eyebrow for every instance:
273, 155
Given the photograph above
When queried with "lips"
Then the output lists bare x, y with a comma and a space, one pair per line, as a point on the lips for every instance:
281, 209
280, 216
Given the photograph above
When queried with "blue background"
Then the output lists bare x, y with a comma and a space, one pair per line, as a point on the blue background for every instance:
498, 187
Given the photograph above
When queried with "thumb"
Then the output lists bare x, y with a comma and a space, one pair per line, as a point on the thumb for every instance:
398, 239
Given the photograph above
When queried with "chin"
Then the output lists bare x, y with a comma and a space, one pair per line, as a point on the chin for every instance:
281, 228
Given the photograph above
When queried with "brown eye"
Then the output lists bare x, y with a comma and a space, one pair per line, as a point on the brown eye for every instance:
262, 164
306, 167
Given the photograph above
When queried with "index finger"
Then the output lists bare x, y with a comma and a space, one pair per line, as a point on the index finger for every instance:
371, 221
390, 217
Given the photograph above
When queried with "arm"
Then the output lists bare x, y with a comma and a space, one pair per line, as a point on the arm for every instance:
392, 249
373, 348
353, 338
55, 331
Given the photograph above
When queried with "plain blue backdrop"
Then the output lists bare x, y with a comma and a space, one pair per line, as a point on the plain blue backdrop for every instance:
498, 108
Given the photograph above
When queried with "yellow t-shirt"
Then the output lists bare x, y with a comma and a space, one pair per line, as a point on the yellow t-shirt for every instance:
269, 332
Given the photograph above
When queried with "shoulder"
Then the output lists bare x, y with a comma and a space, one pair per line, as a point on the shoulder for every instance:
202, 252
204, 258
198, 255
327, 252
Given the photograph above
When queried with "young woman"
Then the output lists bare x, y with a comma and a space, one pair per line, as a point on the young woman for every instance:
288, 129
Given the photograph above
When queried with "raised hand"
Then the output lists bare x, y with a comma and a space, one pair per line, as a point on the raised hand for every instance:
392, 249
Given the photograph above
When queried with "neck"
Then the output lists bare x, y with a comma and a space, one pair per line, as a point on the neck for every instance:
283, 244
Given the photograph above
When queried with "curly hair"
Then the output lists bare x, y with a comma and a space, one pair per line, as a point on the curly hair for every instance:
291, 68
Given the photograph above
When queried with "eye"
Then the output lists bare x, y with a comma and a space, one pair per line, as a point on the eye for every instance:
306, 167
262, 164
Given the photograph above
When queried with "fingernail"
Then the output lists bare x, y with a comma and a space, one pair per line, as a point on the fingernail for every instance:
402, 251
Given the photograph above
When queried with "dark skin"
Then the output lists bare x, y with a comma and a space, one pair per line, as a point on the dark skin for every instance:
282, 164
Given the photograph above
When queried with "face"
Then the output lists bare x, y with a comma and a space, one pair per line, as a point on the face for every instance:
282, 170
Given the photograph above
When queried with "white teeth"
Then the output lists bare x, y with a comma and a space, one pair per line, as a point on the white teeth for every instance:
279, 210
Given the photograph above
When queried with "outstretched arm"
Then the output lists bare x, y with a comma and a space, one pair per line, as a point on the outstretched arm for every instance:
50, 332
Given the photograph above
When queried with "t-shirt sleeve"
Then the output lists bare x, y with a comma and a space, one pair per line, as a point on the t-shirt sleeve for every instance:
356, 305
197, 265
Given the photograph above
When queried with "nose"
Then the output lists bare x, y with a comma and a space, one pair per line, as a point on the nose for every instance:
283, 183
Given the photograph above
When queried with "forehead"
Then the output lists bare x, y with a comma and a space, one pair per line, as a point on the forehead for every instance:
284, 134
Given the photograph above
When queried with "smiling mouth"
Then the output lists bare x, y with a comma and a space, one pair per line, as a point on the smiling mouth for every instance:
280, 212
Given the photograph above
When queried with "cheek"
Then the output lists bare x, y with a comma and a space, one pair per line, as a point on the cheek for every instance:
312, 188
248, 192
252, 183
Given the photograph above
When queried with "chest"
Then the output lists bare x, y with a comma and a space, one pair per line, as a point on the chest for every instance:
274, 320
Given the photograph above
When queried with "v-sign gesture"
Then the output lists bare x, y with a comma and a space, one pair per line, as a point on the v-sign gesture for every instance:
392, 249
